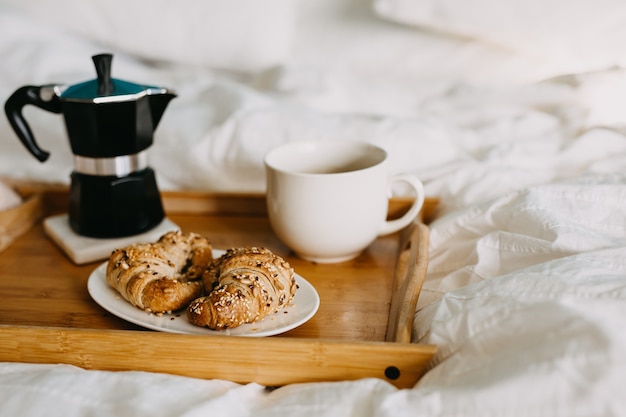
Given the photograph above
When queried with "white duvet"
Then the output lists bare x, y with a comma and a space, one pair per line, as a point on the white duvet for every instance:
525, 295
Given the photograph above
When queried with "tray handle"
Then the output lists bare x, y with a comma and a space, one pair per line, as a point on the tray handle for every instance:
409, 275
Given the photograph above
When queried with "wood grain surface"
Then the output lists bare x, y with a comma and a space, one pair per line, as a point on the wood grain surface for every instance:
47, 314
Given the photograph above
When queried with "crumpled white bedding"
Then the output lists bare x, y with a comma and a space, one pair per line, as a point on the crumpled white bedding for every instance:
525, 295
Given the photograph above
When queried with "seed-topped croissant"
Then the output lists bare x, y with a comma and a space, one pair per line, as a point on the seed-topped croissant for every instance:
162, 276
244, 285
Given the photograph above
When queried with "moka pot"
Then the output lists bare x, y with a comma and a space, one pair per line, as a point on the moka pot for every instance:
110, 125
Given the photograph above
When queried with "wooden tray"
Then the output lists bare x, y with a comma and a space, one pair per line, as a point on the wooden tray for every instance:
362, 328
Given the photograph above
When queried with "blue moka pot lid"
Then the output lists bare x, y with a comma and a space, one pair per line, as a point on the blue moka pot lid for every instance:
104, 88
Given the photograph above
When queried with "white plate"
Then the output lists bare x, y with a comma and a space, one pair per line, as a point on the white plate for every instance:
303, 306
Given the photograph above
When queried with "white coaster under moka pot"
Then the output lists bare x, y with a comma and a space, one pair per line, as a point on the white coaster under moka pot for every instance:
83, 249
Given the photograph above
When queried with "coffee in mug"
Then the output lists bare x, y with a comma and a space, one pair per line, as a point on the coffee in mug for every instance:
327, 200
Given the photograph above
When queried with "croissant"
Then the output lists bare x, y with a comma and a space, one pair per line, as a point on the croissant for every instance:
244, 285
163, 276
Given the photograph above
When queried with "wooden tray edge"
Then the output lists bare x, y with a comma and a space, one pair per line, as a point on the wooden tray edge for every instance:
202, 202
409, 275
273, 361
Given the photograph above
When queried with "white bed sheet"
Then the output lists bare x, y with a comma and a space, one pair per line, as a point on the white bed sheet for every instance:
525, 292
224, 121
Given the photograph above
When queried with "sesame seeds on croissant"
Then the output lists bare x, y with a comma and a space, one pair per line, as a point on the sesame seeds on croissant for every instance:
245, 285
162, 276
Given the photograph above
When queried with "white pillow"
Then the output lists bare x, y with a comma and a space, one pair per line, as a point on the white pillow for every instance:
580, 35
245, 35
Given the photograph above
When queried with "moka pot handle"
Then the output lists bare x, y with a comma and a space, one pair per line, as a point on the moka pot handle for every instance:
43, 97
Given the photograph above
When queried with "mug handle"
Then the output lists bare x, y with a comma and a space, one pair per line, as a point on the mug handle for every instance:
392, 226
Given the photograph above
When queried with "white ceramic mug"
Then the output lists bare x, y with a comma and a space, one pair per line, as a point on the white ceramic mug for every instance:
328, 200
